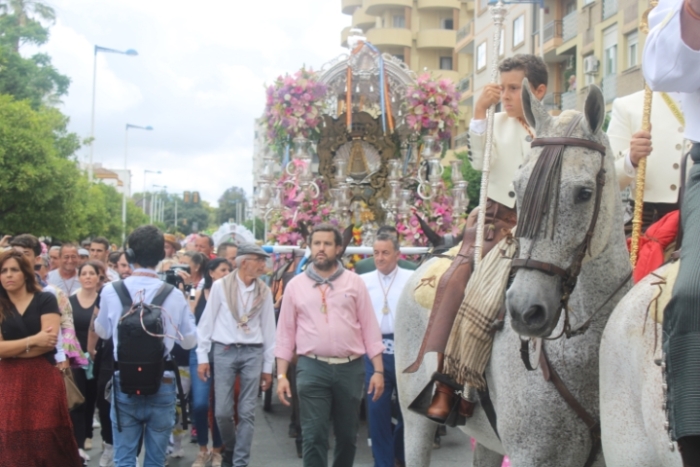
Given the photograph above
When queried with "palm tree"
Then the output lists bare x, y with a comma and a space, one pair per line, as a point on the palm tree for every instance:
25, 12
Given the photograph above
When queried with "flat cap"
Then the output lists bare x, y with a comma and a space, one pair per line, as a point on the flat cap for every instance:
251, 249
83, 252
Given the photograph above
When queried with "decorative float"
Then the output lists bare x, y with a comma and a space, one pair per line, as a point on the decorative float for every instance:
360, 142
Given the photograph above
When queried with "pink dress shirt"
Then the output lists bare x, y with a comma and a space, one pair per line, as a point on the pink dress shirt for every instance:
348, 327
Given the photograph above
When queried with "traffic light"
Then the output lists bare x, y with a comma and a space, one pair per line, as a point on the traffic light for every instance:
186, 197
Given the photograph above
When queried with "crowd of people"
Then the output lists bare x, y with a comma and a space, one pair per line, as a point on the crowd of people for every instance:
64, 314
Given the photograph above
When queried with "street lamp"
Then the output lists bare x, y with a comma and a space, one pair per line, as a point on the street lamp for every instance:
159, 205
143, 204
129, 52
126, 154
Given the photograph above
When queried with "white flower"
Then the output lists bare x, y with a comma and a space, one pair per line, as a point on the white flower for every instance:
287, 97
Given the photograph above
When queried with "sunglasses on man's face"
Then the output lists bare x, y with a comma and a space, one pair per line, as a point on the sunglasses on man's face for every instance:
37, 267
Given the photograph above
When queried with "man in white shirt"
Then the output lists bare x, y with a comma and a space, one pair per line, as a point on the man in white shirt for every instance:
672, 63
238, 326
385, 286
135, 416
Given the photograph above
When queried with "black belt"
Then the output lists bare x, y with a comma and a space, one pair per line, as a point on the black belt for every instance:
258, 346
388, 336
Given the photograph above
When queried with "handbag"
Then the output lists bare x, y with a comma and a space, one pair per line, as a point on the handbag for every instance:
75, 397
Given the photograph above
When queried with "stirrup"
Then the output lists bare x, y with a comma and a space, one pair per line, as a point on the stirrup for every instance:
422, 402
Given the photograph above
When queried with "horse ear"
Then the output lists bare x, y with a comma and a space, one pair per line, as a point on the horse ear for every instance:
534, 111
434, 238
594, 109
303, 230
347, 238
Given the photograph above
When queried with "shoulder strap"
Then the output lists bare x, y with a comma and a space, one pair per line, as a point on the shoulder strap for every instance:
162, 294
123, 294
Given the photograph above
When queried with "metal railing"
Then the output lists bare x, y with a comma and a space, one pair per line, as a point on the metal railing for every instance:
568, 100
464, 85
464, 31
609, 85
552, 101
609, 8
570, 26
553, 29
462, 140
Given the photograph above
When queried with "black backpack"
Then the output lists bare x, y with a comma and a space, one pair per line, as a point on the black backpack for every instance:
140, 356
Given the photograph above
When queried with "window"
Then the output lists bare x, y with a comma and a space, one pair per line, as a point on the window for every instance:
518, 31
399, 21
502, 45
447, 23
610, 51
445, 63
481, 56
400, 57
632, 49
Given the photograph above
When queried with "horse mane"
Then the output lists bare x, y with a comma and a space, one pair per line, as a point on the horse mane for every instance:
544, 184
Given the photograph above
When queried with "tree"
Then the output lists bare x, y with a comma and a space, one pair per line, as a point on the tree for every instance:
26, 29
103, 214
42, 187
189, 214
231, 204
259, 228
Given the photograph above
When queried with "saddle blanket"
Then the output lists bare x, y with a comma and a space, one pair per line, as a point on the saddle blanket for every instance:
424, 293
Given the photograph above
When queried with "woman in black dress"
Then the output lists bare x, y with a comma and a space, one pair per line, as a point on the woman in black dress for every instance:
33, 399
91, 276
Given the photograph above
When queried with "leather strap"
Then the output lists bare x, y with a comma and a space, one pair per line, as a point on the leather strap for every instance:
547, 268
568, 141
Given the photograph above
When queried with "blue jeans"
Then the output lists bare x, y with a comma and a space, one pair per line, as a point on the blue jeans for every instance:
152, 417
387, 440
200, 406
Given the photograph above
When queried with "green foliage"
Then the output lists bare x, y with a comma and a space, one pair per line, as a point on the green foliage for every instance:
187, 213
259, 227
103, 214
228, 205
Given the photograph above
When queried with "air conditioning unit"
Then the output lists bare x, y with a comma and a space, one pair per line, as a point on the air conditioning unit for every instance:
590, 65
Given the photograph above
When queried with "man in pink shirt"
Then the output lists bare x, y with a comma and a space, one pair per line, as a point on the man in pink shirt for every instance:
328, 320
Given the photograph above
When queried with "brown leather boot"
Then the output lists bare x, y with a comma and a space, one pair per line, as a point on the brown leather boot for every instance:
443, 400
466, 408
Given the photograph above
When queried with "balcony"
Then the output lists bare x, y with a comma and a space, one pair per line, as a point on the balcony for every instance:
570, 26
390, 37
465, 39
438, 4
464, 85
362, 20
446, 74
349, 6
377, 7
437, 39
609, 86
568, 100
344, 36
552, 35
462, 142
609, 8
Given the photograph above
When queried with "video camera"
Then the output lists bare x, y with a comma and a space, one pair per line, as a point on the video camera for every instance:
171, 277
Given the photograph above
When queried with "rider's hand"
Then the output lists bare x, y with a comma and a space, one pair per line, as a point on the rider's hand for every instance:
491, 95
640, 146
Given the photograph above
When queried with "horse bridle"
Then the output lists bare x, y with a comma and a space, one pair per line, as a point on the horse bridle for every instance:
569, 276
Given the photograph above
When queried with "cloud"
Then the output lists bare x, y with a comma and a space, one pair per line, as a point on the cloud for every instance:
198, 79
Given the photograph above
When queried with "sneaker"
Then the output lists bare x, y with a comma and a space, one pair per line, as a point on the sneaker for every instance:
107, 458
88, 444
84, 455
96, 423
177, 452
216, 459
203, 457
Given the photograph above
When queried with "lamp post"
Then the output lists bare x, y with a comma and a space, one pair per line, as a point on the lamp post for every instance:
160, 205
129, 52
126, 154
143, 201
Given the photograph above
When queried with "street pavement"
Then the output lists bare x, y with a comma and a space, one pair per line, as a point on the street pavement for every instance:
272, 446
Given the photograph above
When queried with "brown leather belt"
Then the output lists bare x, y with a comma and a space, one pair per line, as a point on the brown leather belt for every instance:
168, 380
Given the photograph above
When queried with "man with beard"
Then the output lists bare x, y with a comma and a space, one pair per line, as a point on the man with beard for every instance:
328, 320
123, 267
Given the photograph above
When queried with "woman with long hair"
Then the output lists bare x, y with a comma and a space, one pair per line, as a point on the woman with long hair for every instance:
83, 302
215, 270
35, 427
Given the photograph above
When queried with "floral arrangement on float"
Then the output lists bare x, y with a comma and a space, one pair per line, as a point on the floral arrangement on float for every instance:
293, 108
439, 215
432, 107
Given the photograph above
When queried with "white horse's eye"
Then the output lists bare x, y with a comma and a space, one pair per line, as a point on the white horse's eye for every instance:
584, 194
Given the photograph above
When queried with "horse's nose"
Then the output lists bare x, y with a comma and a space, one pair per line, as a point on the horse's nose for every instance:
535, 315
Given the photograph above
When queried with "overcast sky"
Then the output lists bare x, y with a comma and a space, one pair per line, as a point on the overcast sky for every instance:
198, 79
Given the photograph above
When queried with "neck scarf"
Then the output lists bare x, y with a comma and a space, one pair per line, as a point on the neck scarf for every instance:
231, 291
314, 276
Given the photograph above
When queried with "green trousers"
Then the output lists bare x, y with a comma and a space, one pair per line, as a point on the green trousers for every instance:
329, 393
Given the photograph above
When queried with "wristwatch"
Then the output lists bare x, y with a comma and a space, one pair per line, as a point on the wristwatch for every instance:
281, 376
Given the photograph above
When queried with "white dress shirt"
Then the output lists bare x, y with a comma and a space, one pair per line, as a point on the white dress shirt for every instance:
377, 284
217, 323
670, 65
176, 311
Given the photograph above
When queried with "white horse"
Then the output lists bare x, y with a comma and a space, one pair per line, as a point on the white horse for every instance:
632, 401
536, 426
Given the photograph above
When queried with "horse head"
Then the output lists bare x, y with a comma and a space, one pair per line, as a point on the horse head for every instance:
566, 197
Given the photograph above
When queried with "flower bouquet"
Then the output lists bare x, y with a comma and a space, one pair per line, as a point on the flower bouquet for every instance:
432, 107
293, 108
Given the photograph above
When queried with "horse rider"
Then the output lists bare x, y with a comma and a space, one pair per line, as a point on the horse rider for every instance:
672, 64
511, 143
630, 144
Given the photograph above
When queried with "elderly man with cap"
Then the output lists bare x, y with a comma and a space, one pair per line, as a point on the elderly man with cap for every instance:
238, 325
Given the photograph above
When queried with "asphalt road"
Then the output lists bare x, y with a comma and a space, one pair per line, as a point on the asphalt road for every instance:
273, 448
